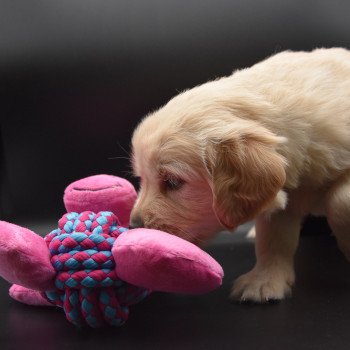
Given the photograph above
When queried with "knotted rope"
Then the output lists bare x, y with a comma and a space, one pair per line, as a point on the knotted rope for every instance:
88, 288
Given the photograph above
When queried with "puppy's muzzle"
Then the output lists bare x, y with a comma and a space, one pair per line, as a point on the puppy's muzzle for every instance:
136, 222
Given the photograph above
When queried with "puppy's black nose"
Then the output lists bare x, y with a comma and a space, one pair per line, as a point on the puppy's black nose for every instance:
136, 222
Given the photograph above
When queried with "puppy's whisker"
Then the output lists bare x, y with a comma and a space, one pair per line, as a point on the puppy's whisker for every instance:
128, 173
118, 157
126, 152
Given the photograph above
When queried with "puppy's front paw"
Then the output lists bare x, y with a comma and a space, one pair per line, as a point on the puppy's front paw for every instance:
263, 285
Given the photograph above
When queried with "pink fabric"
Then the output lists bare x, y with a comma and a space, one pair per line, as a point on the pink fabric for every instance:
163, 262
24, 258
28, 296
101, 193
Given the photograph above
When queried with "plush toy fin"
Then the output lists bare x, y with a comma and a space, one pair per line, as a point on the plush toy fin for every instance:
101, 193
28, 296
25, 258
159, 261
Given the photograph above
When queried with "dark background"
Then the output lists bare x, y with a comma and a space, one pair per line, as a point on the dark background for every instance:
77, 76
75, 79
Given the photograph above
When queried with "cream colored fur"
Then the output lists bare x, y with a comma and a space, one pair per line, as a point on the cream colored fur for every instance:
271, 142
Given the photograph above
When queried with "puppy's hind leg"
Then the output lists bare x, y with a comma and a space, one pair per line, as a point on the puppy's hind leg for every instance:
338, 213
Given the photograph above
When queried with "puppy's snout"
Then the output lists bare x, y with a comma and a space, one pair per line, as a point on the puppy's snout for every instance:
136, 222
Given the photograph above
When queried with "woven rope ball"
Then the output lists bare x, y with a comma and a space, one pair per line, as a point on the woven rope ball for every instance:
88, 288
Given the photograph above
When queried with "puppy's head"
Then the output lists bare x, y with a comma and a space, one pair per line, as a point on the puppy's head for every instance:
174, 194
198, 173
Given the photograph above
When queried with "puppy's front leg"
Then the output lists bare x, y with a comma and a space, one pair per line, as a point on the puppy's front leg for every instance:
273, 275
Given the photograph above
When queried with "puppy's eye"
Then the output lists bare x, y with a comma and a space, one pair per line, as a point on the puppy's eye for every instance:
173, 183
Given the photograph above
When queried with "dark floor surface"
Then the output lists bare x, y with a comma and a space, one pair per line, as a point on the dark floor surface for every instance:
316, 317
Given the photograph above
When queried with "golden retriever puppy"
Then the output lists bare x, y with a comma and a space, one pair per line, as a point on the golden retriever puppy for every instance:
270, 142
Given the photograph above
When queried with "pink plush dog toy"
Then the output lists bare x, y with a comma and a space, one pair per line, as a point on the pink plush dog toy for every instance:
92, 266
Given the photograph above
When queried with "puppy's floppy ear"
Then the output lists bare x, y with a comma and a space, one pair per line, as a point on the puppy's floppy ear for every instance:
246, 174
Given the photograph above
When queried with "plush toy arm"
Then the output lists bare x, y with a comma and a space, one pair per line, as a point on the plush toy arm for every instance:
28, 296
25, 258
159, 261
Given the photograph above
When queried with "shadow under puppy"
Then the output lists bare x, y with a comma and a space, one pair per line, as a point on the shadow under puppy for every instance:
270, 142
